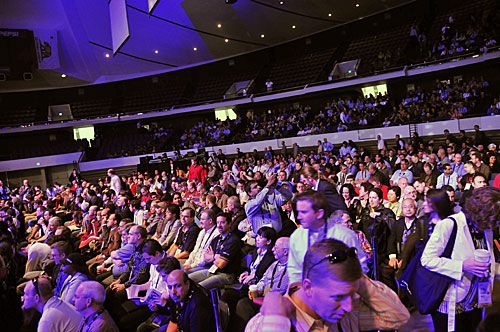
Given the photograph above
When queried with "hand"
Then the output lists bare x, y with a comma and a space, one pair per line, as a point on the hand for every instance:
374, 214
187, 267
114, 283
275, 304
400, 263
479, 269
248, 278
208, 256
152, 307
271, 179
119, 287
250, 295
393, 262
243, 276
100, 269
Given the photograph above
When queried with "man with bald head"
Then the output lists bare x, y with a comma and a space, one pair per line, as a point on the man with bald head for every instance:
192, 311
57, 315
89, 301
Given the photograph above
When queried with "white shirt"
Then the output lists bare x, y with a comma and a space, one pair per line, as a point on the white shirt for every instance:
451, 180
299, 244
202, 244
58, 316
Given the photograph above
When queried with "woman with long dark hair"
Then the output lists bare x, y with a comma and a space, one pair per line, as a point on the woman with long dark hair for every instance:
463, 304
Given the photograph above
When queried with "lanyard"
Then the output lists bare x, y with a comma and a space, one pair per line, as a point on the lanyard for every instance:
90, 320
205, 240
220, 243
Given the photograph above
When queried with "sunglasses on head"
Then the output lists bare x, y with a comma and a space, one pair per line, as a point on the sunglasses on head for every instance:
338, 256
35, 283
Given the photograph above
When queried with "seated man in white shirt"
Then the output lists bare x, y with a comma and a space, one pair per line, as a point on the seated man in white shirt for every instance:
196, 261
57, 315
334, 295
448, 178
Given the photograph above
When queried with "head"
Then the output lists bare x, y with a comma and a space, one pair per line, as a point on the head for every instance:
404, 164
207, 219
311, 209
330, 278
253, 188
437, 200
479, 181
394, 194
483, 207
152, 252
375, 197
347, 191
403, 183
224, 223
409, 208
36, 293
265, 237
89, 296
187, 217
74, 263
166, 265
281, 249
447, 169
59, 251
342, 217
178, 285
172, 212
419, 186
310, 175
137, 234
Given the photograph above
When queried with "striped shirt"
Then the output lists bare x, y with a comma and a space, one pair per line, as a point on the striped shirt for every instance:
375, 306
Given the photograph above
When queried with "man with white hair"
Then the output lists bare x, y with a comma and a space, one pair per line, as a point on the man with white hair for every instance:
89, 301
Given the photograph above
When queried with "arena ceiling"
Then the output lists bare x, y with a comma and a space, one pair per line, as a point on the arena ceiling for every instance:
179, 33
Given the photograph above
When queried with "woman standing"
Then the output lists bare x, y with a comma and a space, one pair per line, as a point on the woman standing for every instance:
462, 305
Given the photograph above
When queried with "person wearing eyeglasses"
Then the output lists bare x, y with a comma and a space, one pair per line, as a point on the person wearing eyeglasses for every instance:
89, 301
57, 315
334, 295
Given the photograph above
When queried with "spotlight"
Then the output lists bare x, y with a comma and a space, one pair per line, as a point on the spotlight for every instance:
230, 2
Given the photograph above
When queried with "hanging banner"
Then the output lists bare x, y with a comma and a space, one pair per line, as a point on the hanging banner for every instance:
47, 49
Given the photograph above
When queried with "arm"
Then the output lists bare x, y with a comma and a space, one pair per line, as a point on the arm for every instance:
379, 307
295, 260
252, 207
435, 247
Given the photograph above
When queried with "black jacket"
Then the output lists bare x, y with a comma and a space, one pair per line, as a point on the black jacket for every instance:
335, 202
196, 314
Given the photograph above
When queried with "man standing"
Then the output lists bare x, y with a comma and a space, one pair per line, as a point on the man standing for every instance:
263, 207
89, 301
311, 176
195, 171
311, 207
115, 182
326, 298
57, 315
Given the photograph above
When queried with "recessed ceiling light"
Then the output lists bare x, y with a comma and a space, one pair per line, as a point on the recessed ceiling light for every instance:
219, 25
195, 49
329, 14
357, 5
63, 75
226, 40
293, 26
262, 36
106, 55
156, 51
281, 2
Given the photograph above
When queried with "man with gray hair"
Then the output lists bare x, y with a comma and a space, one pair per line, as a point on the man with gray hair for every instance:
89, 301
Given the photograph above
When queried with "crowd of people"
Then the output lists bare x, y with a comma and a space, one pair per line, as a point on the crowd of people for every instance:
446, 100
290, 241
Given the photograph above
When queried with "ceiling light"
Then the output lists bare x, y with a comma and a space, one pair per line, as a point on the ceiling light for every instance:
63, 75
106, 55
357, 5
156, 51
293, 26
329, 14
226, 40
281, 2
262, 36
195, 49
219, 25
